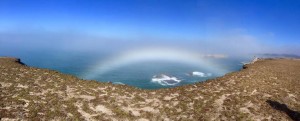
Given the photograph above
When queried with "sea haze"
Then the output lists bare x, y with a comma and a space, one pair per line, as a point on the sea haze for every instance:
147, 43
146, 74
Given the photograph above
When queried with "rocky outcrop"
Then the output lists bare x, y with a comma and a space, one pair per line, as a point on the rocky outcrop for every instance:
29, 93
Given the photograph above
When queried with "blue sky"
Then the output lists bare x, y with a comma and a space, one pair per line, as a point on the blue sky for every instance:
246, 26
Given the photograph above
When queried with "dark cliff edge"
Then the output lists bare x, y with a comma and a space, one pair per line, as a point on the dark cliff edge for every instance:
18, 60
12, 59
267, 89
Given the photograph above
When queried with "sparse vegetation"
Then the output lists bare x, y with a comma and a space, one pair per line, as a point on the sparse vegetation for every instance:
39, 94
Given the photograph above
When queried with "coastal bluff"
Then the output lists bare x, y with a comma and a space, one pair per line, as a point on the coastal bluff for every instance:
268, 89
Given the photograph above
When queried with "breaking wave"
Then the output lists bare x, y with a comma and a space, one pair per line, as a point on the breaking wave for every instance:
165, 80
200, 74
120, 83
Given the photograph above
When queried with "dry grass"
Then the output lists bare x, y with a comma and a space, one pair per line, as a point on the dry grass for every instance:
29, 93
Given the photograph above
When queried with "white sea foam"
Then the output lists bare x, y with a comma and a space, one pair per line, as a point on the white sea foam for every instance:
118, 83
201, 74
165, 80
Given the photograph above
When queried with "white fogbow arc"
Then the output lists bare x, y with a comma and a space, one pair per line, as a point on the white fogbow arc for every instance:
153, 54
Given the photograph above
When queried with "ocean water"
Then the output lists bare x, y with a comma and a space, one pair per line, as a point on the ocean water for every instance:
146, 75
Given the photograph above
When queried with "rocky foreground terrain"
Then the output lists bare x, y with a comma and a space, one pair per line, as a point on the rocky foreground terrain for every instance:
269, 89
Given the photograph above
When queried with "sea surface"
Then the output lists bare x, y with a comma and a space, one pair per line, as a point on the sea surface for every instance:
146, 75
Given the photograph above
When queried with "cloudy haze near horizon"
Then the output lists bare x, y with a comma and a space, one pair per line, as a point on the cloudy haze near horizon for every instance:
230, 27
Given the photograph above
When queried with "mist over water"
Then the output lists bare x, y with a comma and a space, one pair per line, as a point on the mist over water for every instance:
139, 74
148, 64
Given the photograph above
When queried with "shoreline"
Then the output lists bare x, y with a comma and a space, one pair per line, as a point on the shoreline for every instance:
29, 93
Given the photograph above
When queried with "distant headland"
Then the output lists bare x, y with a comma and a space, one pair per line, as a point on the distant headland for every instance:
268, 89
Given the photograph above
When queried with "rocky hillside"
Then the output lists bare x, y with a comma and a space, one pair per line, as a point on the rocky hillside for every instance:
269, 89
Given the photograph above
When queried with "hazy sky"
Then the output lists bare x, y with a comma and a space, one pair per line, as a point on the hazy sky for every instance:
209, 26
